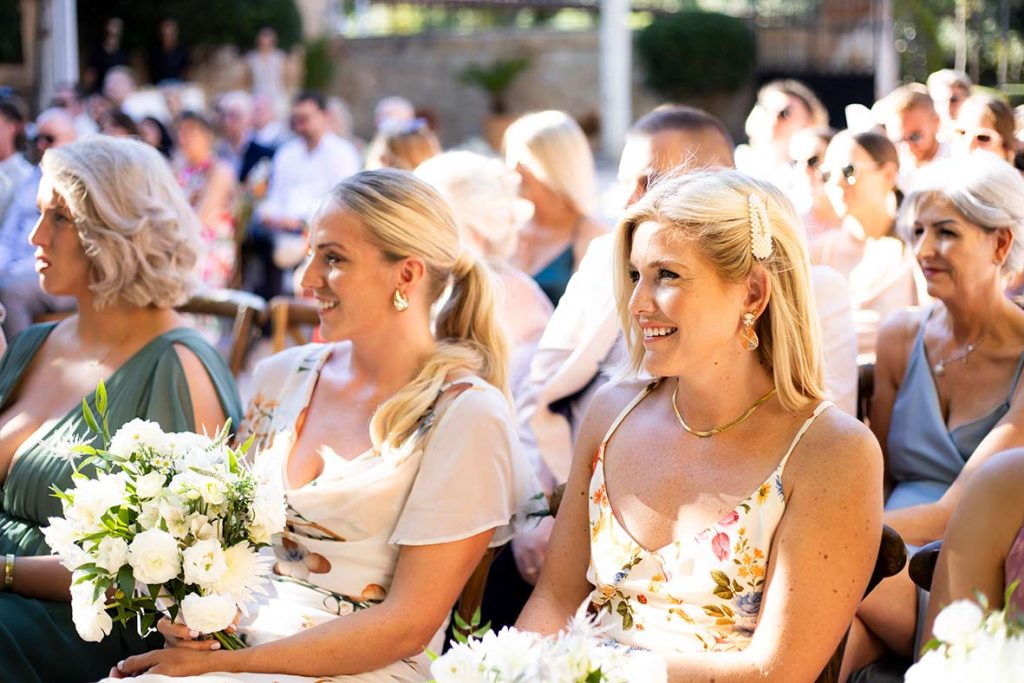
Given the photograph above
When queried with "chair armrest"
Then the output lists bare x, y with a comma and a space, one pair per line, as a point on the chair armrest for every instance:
922, 564
892, 557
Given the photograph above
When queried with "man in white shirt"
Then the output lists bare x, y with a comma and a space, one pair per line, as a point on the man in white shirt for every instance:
912, 124
582, 346
303, 172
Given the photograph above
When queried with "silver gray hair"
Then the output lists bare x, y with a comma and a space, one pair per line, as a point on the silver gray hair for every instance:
986, 190
133, 219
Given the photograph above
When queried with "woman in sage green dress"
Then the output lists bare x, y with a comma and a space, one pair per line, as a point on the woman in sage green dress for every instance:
116, 233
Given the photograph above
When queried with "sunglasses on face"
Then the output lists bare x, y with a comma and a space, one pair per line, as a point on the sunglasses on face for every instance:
849, 173
983, 136
784, 113
45, 138
812, 162
912, 139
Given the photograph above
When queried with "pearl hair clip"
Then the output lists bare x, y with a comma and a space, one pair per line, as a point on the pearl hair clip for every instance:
760, 228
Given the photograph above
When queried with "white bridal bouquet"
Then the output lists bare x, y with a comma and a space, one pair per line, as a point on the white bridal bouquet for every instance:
576, 655
165, 523
973, 644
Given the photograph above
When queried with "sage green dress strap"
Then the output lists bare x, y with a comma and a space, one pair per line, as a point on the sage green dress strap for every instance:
38, 641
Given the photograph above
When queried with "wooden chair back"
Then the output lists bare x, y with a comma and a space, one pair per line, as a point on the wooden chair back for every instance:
472, 596
245, 311
288, 317
892, 556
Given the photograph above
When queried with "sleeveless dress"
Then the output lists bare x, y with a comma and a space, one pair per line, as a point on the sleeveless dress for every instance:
554, 277
38, 641
460, 473
697, 594
924, 456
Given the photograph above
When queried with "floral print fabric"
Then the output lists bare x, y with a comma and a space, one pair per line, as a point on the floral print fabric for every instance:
701, 593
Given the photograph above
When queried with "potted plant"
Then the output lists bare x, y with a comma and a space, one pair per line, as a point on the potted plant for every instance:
495, 79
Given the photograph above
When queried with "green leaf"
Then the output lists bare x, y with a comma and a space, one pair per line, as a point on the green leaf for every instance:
90, 419
932, 644
126, 580
101, 399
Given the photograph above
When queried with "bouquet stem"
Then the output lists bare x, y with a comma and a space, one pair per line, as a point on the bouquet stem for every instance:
229, 641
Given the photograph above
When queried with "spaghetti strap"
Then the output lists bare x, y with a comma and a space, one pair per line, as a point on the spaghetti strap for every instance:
629, 407
803, 429
1016, 379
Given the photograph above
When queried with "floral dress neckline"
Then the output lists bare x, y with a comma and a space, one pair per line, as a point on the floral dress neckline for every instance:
700, 592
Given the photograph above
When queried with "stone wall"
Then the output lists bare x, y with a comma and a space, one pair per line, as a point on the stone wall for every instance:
563, 74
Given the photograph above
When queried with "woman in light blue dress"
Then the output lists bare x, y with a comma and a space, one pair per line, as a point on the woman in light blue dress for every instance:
947, 390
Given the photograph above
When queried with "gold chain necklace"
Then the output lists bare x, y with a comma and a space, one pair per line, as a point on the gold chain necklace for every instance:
723, 428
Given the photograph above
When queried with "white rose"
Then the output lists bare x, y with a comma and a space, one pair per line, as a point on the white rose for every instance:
193, 485
111, 553
209, 613
268, 518
60, 535
149, 485
203, 563
958, 622
92, 498
459, 665
511, 652
136, 434
154, 557
91, 621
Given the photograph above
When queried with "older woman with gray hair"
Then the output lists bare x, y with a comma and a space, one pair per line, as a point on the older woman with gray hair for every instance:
489, 214
947, 379
116, 234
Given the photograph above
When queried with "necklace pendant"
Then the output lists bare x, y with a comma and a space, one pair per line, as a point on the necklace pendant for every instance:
939, 369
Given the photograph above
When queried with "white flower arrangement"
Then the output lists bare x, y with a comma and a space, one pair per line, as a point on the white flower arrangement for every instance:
164, 523
973, 644
576, 655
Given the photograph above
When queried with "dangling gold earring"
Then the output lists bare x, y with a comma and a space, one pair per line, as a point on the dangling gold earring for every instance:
399, 301
747, 334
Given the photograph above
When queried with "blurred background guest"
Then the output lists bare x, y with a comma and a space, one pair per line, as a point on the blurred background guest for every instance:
402, 145
14, 167
484, 197
948, 89
910, 121
985, 122
859, 172
267, 67
169, 59
239, 146
155, 134
806, 153
209, 185
107, 55
20, 290
553, 158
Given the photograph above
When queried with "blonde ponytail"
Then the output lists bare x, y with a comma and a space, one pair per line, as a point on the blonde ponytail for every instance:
405, 217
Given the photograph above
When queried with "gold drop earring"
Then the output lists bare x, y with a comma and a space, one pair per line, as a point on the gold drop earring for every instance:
747, 334
399, 301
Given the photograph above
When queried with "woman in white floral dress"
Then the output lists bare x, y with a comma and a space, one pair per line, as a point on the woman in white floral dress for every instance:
721, 515
395, 447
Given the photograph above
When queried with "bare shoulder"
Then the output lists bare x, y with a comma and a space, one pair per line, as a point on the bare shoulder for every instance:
836, 448
999, 479
608, 402
895, 338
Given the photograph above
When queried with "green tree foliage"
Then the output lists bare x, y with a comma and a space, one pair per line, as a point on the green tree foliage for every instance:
696, 53
10, 33
319, 65
201, 22
495, 79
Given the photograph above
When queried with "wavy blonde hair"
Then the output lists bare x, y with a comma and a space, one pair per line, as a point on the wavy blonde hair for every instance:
404, 216
711, 210
554, 149
137, 228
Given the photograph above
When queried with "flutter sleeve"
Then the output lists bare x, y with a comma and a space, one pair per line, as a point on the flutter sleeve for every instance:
473, 476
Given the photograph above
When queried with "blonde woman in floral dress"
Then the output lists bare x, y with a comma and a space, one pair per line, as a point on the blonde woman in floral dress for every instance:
395, 447
723, 515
